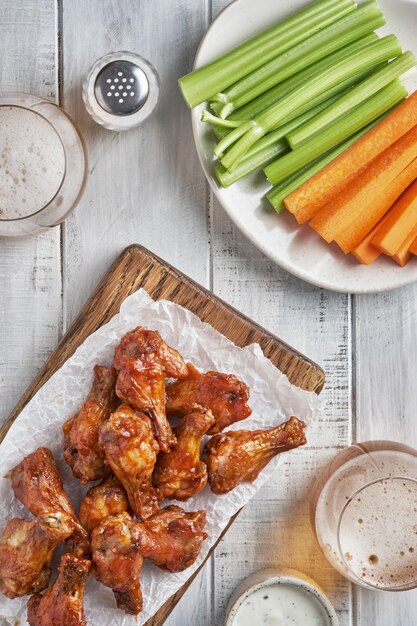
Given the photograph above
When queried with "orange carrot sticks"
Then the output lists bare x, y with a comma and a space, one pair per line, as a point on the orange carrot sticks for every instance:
354, 200
403, 254
310, 197
350, 238
402, 221
401, 257
413, 247
365, 252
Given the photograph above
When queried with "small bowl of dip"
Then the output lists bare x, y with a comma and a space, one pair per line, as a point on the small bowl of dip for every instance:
280, 597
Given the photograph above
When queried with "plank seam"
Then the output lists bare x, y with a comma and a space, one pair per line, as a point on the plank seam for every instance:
353, 369
59, 64
209, 195
354, 618
211, 577
210, 229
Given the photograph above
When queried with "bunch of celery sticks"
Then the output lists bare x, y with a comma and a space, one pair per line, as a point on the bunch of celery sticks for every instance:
294, 97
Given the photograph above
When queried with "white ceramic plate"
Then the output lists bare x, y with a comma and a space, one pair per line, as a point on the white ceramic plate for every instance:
297, 249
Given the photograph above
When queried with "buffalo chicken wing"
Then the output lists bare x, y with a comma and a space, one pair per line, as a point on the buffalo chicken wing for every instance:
172, 538
180, 474
37, 484
26, 551
106, 499
224, 394
131, 450
81, 433
143, 361
240, 455
62, 603
117, 561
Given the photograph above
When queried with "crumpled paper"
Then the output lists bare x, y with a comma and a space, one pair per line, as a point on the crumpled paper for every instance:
273, 400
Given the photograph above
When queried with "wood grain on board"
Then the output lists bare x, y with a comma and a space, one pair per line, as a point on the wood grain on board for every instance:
135, 268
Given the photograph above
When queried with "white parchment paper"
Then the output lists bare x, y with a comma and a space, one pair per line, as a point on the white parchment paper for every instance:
273, 400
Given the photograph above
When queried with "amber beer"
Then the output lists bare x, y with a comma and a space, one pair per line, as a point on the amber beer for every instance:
364, 514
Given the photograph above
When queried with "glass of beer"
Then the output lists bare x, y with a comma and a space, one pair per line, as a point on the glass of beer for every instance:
364, 514
43, 164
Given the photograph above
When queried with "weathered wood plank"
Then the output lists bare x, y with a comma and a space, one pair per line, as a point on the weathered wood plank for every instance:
386, 400
274, 529
145, 186
276, 525
30, 279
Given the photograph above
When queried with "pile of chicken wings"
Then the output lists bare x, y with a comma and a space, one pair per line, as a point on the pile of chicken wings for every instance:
123, 437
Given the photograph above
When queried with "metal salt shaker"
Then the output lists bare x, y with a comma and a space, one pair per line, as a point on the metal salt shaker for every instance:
121, 90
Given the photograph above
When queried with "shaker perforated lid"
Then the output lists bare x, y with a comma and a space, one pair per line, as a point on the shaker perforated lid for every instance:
121, 90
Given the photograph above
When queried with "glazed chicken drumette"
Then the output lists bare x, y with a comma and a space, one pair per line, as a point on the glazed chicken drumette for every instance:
239, 456
26, 551
37, 484
143, 362
104, 500
62, 603
180, 474
131, 450
82, 451
224, 394
172, 539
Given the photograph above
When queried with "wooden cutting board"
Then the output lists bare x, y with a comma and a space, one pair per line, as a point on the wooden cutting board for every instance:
136, 267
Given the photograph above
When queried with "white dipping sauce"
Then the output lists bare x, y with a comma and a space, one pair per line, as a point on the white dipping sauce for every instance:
281, 605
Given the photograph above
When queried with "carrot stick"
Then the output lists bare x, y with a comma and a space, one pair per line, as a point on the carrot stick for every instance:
401, 257
314, 194
352, 236
356, 199
402, 219
403, 254
413, 247
365, 252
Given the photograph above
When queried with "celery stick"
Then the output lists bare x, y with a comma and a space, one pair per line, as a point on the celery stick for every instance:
288, 127
375, 52
355, 96
366, 18
221, 128
252, 109
216, 107
219, 131
317, 104
206, 81
342, 87
278, 193
206, 116
250, 163
266, 149
336, 132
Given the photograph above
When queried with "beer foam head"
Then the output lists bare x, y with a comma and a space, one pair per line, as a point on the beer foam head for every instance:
32, 162
378, 533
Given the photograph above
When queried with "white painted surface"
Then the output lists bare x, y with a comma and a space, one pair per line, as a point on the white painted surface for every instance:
147, 187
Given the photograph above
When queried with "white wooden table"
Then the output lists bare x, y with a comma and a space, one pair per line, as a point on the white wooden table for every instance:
146, 186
